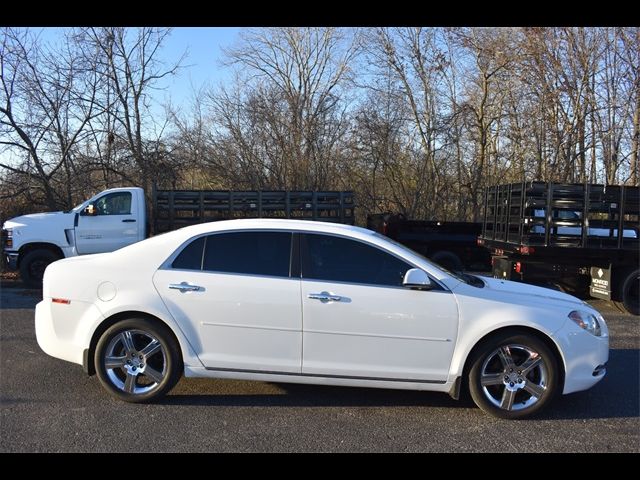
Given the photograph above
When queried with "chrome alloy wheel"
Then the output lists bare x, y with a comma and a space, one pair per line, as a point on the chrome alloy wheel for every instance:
135, 361
514, 377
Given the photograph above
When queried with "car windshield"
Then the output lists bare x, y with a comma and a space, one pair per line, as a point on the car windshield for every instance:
463, 277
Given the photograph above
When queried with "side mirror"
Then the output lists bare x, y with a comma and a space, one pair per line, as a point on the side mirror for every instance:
416, 278
90, 210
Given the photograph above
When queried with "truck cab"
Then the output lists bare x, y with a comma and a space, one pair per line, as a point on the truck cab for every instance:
107, 221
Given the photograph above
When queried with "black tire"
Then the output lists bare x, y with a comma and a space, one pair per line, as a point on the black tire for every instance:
33, 265
543, 377
166, 363
630, 294
448, 260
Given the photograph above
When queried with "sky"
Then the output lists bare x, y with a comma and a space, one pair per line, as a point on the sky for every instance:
202, 66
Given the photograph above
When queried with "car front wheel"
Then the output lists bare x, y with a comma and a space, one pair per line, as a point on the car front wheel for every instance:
138, 360
513, 376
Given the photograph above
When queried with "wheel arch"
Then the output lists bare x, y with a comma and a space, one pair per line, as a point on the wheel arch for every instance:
517, 329
30, 247
88, 354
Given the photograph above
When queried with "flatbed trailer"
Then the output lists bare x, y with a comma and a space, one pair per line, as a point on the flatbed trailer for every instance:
174, 209
449, 244
580, 237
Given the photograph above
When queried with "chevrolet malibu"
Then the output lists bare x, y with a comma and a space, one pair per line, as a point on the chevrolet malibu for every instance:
311, 302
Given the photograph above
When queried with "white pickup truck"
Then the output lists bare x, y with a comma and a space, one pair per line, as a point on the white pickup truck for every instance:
107, 221
117, 217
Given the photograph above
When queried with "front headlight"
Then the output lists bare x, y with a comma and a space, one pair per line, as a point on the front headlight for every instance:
588, 321
8, 238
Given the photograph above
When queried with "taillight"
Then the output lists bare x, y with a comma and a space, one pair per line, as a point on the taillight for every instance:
517, 267
63, 301
384, 228
526, 250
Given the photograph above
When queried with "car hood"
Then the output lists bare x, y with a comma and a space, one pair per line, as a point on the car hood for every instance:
511, 291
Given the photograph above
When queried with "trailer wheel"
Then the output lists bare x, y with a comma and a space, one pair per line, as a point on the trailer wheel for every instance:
448, 260
630, 293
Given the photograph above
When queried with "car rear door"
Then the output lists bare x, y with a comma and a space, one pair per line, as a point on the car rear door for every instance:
233, 295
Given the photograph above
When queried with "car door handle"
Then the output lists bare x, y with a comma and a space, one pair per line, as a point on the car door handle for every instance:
127, 220
185, 287
325, 297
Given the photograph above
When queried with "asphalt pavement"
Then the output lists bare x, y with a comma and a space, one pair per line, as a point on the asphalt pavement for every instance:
48, 405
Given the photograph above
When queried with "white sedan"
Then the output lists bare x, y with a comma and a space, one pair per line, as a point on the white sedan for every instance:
312, 302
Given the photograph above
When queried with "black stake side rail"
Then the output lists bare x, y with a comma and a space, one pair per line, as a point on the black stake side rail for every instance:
175, 209
588, 216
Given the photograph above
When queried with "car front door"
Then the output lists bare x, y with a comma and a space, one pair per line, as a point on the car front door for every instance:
233, 295
112, 227
359, 322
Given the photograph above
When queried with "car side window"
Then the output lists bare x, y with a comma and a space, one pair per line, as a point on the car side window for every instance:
249, 253
117, 203
325, 257
190, 258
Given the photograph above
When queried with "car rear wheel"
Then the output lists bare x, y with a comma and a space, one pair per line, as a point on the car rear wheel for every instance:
513, 376
138, 360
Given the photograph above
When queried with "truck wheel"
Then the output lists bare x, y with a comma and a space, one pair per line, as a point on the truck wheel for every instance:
629, 294
448, 260
32, 266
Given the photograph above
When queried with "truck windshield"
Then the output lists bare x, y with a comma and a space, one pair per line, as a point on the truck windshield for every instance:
77, 208
463, 277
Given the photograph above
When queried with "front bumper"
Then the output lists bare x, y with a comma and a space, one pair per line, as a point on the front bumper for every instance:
11, 259
585, 356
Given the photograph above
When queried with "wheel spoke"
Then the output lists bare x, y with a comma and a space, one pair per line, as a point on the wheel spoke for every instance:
508, 396
491, 379
127, 342
506, 358
534, 389
114, 362
530, 363
153, 347
153, 374
130, 383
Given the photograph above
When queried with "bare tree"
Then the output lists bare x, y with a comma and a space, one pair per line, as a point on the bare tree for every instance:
415, 120
289, 116
48, 97
129, 58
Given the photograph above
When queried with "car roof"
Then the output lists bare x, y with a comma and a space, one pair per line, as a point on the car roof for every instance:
275, 224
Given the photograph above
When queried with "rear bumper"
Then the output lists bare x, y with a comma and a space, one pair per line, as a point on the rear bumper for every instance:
60, 329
